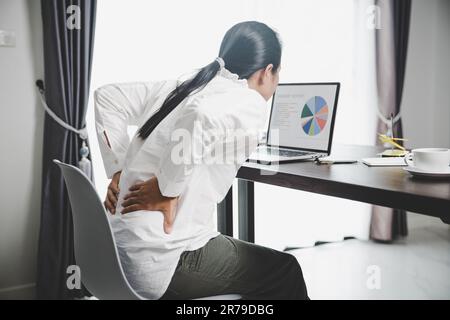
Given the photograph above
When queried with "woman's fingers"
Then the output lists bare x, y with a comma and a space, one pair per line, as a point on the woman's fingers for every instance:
109, 206
130, 202
136, 186
168, 225
169, 215
115, 188
112, 197
134, 207
131, 195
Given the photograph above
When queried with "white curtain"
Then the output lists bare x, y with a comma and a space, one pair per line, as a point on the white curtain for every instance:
151, 40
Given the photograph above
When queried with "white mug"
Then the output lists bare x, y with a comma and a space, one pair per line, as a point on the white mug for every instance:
429, 159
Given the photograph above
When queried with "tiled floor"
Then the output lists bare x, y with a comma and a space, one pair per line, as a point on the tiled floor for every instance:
417, 267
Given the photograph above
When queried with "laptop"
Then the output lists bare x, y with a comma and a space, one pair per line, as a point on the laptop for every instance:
301, 123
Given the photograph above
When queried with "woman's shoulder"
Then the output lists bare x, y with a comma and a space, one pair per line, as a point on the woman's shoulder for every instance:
232, 108
216, 101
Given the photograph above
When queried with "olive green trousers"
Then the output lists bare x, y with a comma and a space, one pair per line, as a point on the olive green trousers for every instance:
230, 266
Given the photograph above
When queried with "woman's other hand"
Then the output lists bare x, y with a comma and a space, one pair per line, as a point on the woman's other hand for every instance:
112, 193
147, 196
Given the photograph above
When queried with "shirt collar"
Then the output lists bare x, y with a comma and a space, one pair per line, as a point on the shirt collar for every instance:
227, 74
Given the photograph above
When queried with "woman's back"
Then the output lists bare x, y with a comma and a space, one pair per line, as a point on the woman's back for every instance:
182, 150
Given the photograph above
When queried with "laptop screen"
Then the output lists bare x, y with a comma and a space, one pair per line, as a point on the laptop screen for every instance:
302, 116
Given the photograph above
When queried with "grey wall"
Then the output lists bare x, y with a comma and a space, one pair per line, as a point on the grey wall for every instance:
426, 99
21, 129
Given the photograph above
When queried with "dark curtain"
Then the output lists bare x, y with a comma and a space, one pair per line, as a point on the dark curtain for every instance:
391, 49
67, 58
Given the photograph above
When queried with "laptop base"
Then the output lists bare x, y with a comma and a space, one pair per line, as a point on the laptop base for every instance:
270, 155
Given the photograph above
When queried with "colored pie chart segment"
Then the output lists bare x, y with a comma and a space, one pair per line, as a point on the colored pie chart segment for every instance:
314, 116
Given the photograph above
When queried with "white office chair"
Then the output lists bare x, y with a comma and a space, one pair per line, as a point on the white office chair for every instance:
95, 247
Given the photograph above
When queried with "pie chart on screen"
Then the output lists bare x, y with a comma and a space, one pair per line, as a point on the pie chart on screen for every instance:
314, 116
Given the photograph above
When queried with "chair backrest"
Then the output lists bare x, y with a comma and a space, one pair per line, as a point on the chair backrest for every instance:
95, 247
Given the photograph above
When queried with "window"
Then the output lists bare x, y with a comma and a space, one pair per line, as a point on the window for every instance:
152, 40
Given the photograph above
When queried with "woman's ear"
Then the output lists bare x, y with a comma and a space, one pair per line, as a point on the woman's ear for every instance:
269, 70
265, 75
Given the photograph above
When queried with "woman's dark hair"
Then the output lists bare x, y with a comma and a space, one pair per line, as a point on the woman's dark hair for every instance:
246, 48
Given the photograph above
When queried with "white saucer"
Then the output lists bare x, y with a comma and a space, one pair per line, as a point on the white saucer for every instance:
430, 174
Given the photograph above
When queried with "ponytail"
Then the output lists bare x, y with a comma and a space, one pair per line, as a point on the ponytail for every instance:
200, 80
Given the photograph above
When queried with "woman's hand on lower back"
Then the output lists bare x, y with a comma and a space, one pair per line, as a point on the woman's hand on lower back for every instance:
147, 196
112, 193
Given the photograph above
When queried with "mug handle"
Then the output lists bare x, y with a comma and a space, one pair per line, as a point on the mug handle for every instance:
409, 159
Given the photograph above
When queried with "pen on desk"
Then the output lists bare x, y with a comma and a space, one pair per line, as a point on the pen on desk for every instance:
318, 161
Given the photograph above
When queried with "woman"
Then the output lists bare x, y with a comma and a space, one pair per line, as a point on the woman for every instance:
164, 190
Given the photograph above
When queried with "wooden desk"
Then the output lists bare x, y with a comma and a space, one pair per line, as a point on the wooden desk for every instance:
385, 186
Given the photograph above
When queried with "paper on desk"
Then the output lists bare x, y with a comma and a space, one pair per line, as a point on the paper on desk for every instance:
384, 162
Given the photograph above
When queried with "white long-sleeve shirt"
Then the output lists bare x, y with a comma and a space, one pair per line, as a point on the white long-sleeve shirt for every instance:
206, 121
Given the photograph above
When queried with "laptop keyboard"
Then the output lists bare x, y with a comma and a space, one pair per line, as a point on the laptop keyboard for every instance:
286, 153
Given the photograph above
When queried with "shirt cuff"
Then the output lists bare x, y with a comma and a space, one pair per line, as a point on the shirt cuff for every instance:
169, 187
113, 167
